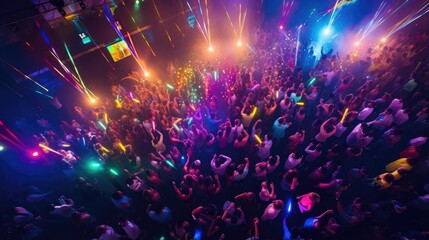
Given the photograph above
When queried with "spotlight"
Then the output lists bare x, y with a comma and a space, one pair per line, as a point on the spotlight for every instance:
91, 100
383, 40
146, 74
281, 27
357, 44
82, 5
211, 49
327, 31
35, 154
239, 44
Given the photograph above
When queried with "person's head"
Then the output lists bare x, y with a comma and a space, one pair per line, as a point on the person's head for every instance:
388, 178
388, 111
100, 230
363, 171
281, 120
237, 122
218, 162
278, 204
402, 171
240, 138
315, 197
122, 222
129, 181
50, 207
272, 161
329, 128
117, 195
240, 168
264, 184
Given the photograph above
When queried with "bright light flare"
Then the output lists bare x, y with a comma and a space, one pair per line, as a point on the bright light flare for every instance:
146, 74
35, 154
328, 31
211, 49
1, 148
281, 27
239, 44
357, 44
383, 40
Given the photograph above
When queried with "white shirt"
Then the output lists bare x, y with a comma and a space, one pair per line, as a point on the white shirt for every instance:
340, 129
322, 136
329, 76
291, 162
222, 168
395, 105
270, 212
110, 234
271, 168
312, 154
418, 141
241, 176
264, 152
264, 195
355, 136
132, 230
400, 117
137, 185
364, 113
238, 129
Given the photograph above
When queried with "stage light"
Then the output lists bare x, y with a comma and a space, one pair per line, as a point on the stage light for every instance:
281, 27
146, 74
211, 49
1, 148
137, 2
357, 44
327, 31
35, 154
383, 40
239, 44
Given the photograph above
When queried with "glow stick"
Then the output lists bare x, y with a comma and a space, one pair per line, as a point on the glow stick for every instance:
178, 120
104, 149
153, 125
136, 100
49, 149
65, 145
170, 86
122, 147
255, 87
312, 81
170, 163
190, 120
254, 111
300, 103
258, 139
176, 127
344, 115
44, 94
113, 172
106, 120
118, 103
102, 125
277, 94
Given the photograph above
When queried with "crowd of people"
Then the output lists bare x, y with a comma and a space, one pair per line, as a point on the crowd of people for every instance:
335, 148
